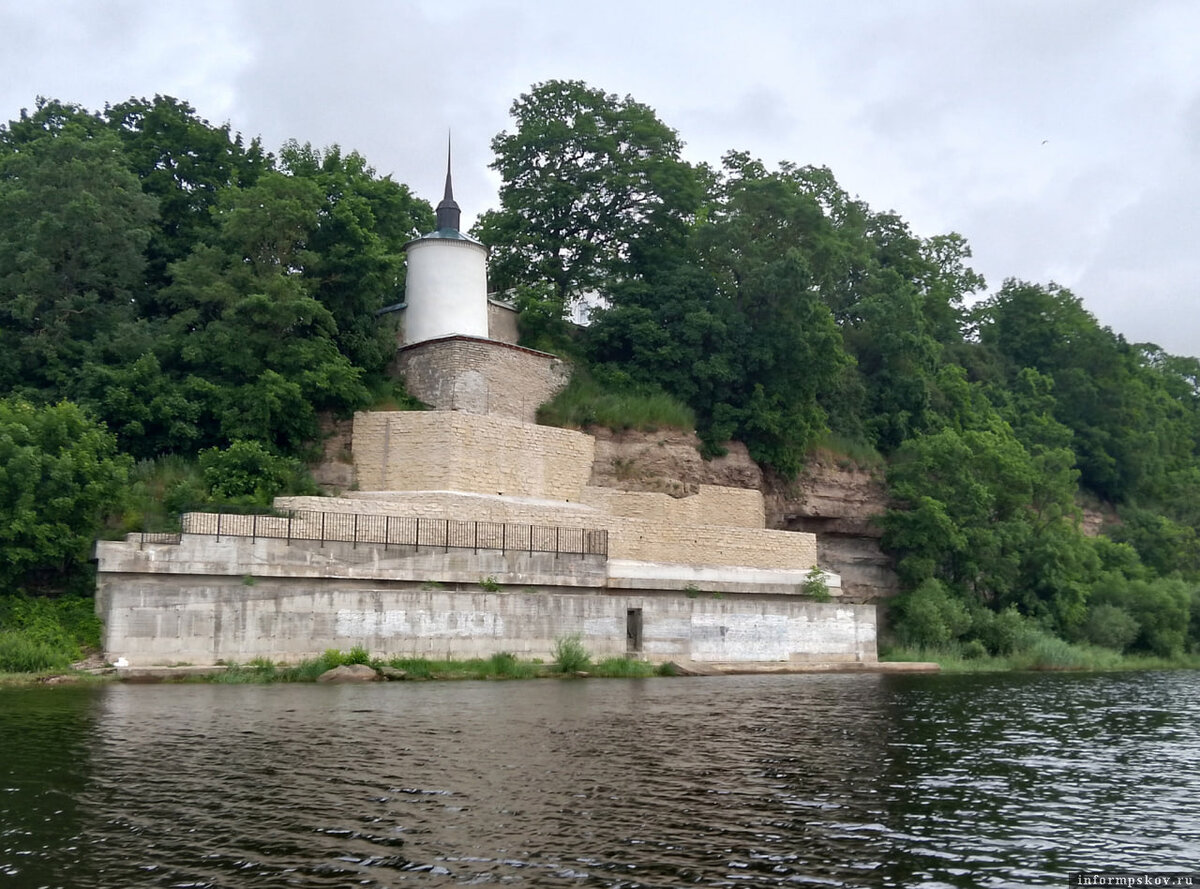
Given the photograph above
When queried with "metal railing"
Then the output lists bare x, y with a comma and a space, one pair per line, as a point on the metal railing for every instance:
390, 530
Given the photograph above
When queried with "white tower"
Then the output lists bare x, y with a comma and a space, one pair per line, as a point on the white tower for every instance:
446, 286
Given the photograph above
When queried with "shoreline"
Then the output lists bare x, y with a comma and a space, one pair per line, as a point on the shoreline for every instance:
430, 670
508, 668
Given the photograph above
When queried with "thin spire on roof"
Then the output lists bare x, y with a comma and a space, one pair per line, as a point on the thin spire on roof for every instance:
449, 216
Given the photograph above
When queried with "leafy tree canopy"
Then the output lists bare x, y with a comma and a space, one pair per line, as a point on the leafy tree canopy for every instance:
59, 472
586, 177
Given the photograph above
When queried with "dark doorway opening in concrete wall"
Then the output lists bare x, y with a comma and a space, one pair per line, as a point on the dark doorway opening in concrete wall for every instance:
633, 630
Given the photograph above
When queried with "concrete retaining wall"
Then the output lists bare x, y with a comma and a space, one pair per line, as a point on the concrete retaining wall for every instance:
204, 600
204, 619
502, 322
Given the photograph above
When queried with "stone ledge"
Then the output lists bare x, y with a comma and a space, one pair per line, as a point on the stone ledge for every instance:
631, 574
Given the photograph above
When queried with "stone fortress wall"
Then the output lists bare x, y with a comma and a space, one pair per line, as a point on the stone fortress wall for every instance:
457, 451
644, 573
430, 463
481, 376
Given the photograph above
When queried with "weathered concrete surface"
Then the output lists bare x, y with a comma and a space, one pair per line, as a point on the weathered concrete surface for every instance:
251, 559
631, 574
161, 619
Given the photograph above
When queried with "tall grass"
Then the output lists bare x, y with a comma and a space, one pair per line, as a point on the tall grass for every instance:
1037, 650
39, 634
570, 655
847, 452
21, 653
501, 665
587, 402
622, 668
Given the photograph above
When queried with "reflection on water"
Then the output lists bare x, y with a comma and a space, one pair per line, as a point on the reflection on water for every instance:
749, 781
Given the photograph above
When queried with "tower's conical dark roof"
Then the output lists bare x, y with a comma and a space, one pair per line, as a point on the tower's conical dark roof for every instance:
449, 216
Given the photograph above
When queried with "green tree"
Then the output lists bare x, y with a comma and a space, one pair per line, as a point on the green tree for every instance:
585, 176
1118, 422
734, 322
245, 324
184, 162
355, 262
74, 225
248, 474
59, 473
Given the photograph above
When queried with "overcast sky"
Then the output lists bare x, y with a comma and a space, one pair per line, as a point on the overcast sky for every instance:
1060, 137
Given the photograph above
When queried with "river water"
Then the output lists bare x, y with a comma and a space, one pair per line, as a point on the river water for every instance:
811, 780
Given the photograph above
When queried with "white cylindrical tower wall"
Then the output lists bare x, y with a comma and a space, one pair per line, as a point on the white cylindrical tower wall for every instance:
446, 289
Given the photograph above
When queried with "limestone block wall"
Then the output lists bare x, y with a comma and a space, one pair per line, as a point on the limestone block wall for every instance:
710, 545
454, 505
442, 450
645, 540
480, 376
711, 505
502, 322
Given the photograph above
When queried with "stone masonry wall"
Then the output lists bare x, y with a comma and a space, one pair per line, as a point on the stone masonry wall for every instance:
453, 505
502, 322
480, 376
641, 539
442, 450
709, 545
711, 505
727, 507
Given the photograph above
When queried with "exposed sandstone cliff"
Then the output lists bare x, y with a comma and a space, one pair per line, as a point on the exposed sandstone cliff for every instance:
841, 505
667, 462
837, 504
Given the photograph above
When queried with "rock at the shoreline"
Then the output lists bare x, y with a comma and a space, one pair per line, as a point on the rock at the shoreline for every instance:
350, 673
691, 668
393, 674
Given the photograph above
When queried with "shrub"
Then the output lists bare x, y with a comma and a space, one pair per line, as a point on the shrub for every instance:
489, 584
931, 617
814, 585
973, 650
997, 632
22, 653
63, 626
247, 473
1159, 606
1111, 626
622, 667
505, 665
570, 655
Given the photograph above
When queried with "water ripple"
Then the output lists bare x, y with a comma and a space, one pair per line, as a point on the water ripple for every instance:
846, 781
